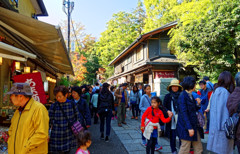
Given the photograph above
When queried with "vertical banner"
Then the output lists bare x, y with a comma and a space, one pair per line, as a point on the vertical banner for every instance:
35, 81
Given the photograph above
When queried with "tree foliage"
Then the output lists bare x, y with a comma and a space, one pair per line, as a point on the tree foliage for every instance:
84, 59
207, 35
120, 33
159, 13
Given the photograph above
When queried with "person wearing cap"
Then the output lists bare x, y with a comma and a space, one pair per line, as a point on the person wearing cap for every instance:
28, 132
122, 97
170, 103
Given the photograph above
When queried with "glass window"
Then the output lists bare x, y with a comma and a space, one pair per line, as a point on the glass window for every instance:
129, 59
164, 47
139, 53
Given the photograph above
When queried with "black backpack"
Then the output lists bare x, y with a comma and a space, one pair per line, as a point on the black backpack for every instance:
105, 102
231, 123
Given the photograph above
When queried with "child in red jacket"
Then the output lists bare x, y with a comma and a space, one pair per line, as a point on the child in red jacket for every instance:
150, 123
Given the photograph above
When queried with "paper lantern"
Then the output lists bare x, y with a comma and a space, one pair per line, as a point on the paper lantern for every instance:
27, 69
17, 65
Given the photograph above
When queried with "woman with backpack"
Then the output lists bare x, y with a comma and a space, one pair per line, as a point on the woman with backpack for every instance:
105, 110
134, 101
217, 140
170, 102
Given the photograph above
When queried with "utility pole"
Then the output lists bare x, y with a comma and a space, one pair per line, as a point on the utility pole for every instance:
69, 6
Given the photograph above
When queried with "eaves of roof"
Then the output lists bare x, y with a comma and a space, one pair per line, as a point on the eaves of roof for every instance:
140, 39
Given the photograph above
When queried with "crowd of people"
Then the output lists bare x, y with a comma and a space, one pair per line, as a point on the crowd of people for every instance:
185, 113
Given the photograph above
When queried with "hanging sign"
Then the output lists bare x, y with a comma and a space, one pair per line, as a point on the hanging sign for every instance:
36, 84
164, 74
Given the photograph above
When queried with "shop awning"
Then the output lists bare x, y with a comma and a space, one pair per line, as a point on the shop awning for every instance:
15, 50
46, 39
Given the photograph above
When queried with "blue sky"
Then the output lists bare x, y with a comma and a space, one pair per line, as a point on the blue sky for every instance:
94, 14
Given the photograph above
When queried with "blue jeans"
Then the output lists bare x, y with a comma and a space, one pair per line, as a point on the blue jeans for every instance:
151, 145
143, 138
173, 136
105, 115
135, 108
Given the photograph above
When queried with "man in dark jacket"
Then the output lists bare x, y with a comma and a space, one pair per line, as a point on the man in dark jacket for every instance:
121, 95
233, 104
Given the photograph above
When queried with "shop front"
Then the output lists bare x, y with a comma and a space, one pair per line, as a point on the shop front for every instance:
30, 51
161, 81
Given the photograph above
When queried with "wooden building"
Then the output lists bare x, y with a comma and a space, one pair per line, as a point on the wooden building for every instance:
149, 61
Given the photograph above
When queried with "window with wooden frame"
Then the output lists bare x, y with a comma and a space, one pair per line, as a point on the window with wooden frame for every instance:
164, 47
129, 60
139, 53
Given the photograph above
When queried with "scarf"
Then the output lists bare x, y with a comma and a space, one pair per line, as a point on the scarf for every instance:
174, 98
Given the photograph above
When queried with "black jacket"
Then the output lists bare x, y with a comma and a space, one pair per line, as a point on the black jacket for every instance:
167, 105
84, 111
105, 101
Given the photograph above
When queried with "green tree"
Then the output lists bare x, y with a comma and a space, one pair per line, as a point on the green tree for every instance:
158, 13
121, 31
208, 35
84, 58
140, 15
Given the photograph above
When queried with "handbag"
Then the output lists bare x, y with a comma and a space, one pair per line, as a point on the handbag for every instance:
76, 127
201, 119
231, 125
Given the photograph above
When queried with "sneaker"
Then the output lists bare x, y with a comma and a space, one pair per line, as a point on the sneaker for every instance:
124, 123
119, 125
106, 139
144, 143
115, 117
191, 152
136, 118
132, 117
102, 136
175, 152
158, 147
112, 118
207, 132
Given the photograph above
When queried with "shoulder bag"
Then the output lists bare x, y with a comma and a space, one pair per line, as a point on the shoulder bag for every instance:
76, 127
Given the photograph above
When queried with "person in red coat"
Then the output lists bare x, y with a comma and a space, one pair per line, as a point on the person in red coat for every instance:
150, 123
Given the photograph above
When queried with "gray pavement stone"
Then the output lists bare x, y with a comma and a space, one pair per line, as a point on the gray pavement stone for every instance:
134, 147
124, 137
125, 131
138, 152
135, 135
132, 141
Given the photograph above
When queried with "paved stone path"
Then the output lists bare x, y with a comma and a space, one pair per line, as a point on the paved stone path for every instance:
130, 136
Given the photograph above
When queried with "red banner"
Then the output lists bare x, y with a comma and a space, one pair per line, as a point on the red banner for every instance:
35, 81
164, 74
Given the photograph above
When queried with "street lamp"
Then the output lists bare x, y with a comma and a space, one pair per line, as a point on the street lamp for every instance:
67, 4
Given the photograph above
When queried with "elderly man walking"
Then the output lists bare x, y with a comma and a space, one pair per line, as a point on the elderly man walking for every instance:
233, 104
28, 132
